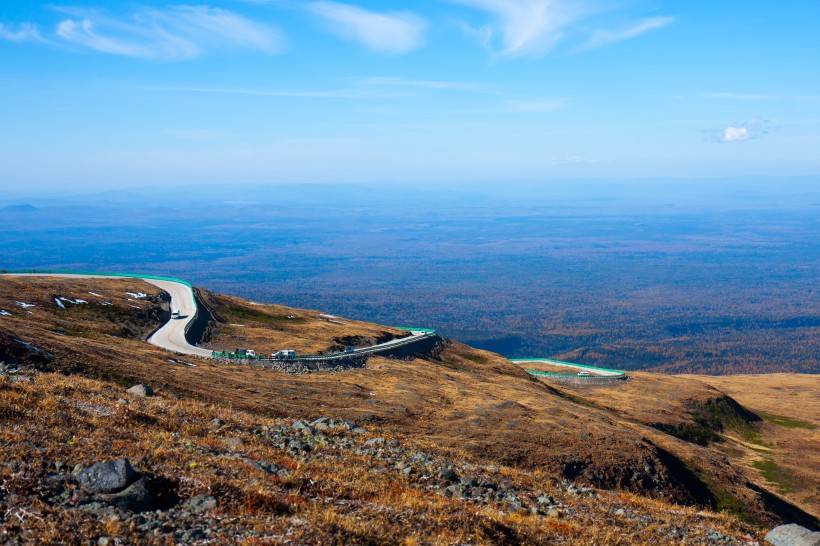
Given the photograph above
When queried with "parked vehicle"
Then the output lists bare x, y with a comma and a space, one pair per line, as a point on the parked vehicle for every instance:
284, 354
583, 374
349, 349
176, 313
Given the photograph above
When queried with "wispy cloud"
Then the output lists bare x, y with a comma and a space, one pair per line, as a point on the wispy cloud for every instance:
354, 89
739, 132
175, 33
534, 27
754, 97
603, 38
525, 27
26, 32
388, 32
521, 106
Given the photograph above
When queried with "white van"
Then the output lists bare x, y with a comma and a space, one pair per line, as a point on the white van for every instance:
583, 374
176, 313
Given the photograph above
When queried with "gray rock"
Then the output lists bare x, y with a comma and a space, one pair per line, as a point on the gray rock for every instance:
792, 535
374, 442
201, 503
267, 468
449, 475
554, 512
358, 430
232, 442
301, 426
512, 501
619, 512
137, 497
107, 477
217, 423
141, 390
545, 500
104, 541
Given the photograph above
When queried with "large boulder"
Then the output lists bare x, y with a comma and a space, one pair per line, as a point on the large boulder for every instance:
107, 477
137, 497
792, 535
141, 390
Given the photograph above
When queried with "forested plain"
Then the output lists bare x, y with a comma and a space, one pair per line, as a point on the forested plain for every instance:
707, 277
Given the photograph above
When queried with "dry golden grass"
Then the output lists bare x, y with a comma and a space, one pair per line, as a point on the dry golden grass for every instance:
469, 405
335, 496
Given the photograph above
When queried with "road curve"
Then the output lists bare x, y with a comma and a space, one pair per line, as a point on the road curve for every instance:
171, 336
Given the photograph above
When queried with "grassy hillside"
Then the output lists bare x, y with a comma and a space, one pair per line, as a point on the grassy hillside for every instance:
460, 407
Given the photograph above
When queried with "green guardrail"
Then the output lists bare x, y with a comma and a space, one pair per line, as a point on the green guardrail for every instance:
562, 363
93, 274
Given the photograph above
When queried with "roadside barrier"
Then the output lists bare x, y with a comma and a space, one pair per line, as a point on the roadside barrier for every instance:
426, 333
618, 374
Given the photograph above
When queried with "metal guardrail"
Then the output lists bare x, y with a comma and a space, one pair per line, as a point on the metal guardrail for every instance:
618, 373
92, 274
333, 356
113, 275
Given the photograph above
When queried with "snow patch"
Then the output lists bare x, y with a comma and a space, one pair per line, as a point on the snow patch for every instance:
137, 295
75, 302
95, 294
59, 303
25, 305
134, 306
4, 313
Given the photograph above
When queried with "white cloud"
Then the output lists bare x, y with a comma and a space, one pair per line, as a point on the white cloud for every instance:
735, 134
739, 132
526, 27
177, 33
605, 37
393, 32
26, 32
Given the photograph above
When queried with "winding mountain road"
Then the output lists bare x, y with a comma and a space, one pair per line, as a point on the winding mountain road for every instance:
171, 336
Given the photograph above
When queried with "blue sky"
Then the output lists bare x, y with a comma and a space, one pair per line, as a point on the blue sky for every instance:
120, 94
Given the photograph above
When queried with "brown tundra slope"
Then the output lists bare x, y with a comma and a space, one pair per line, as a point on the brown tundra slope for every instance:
647, 447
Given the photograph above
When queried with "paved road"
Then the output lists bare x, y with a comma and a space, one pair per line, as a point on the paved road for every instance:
172, 335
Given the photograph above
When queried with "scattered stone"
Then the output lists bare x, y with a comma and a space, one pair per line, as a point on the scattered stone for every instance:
374, 442
393, 443
554, 512
619, 512
301, 426
201, 503
217, 423
104, 541
232, 442
107, 477
268, 468
141, 390
448, 475
358, 430
792, 535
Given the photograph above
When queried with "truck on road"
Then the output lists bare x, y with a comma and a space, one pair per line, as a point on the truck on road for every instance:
285, 354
